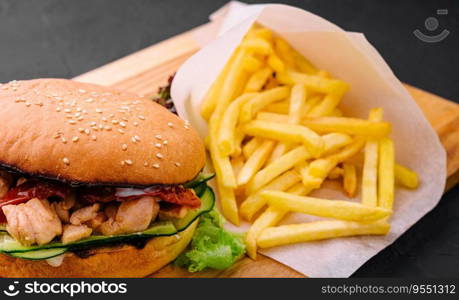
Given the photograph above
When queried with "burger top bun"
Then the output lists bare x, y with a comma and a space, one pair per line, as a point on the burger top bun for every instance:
88, 134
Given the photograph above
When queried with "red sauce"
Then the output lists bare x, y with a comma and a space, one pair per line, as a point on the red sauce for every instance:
171, 194
32, 189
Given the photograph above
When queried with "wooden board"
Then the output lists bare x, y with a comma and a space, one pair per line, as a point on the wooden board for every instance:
144, 71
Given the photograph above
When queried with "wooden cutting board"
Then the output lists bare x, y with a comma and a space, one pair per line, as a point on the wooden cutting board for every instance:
144, 71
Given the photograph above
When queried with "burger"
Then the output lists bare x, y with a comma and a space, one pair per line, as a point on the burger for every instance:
94, 182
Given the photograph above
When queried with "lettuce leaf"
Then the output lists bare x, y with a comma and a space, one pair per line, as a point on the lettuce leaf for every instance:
212, 246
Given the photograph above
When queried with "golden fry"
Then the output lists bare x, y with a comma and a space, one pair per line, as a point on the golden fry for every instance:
262, 99
227, 130
303, 64
289, 133
257, 45
319, 230
275, 63
336, 173
228, 203
386, 179
370, 165
255, 202
251, 63
282, 164
337, 209
255, 162
406, 177
351, 126
270, 217
257, 80
280, 107
251, 146
349, 179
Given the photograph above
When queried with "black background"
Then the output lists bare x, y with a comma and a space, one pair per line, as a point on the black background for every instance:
64, 38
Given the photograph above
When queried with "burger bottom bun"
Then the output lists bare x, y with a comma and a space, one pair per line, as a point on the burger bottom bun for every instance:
116, 262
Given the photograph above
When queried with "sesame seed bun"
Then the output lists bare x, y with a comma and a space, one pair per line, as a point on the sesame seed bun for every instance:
83, 133
121, 261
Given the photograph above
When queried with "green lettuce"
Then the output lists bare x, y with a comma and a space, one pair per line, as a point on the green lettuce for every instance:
212, 246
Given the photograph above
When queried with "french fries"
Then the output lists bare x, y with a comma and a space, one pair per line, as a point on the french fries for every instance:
250, 108
386, 173
405, 177
351, 126
370, 165
269, 218
255, 162
282, 164
349, 179
227, 134
277, 132
255, 202
288, 133
315, 231
337, 209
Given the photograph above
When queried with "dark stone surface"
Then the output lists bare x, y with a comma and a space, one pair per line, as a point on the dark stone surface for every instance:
63, 38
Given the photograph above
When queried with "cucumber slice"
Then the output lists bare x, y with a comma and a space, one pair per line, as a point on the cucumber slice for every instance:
9, 245
39, 254
198, 180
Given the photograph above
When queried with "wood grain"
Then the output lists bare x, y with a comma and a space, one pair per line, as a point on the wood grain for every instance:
144, 71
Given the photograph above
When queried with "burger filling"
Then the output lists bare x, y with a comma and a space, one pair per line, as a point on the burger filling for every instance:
36, 212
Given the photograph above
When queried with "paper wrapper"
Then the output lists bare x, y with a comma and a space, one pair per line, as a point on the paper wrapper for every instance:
349, 57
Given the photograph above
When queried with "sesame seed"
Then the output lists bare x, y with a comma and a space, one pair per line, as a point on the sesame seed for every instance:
67, 110
77, 114
156, 166
158, 145
145, 164
136, 137
87, 131
108, 128
64, 140
66, 161
170, 124
141, 117
98, 110
133, 140
89, 100
72, 122
158, 136
94, 137
28, 104
104, 119
81, 130
75, 139
128, 162
78, 109
120, 130
57, 135
136, 124
122, 124
124, 147
80, 118
125, 119
93, 123
177, 164
115, 122
58, 109
159, 155
165, 142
